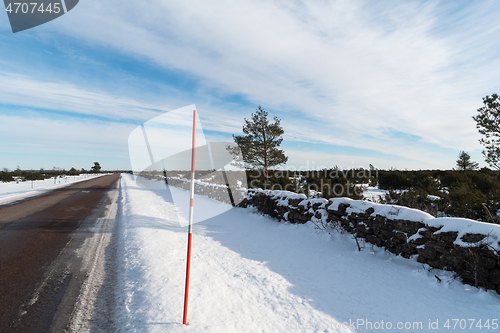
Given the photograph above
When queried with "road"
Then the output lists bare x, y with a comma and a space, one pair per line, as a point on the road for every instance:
41, 261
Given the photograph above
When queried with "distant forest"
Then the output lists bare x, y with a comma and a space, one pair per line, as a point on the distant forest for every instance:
472, 194
25, 175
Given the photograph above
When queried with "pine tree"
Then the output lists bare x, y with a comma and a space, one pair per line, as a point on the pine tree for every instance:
259, 144
488, 124
18, 172
96, 168
464, 163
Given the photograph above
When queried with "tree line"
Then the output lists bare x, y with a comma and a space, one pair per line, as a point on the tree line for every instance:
473, 194
27, 175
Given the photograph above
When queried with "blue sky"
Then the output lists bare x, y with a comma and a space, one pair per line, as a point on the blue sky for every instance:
388, 83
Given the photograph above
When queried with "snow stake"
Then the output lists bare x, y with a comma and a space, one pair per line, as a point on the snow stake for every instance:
190, 229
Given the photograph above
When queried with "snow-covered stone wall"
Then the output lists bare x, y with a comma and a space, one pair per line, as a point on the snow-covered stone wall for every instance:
467, 247
213, 191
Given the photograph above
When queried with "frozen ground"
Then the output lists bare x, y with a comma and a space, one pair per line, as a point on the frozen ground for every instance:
16, 191
251, 273
374, 193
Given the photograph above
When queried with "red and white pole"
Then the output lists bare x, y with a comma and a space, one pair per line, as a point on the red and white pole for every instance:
190, 229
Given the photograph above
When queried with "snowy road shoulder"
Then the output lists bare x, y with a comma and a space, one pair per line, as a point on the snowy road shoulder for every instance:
13, 191
251, 273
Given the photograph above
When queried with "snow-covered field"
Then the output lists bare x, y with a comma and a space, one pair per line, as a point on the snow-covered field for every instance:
16, 191
250, 273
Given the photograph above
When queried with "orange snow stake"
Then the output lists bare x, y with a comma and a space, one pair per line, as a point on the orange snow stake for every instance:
190, 229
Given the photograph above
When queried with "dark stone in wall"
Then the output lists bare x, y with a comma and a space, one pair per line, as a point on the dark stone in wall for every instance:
495, 276
446, 237
472, 238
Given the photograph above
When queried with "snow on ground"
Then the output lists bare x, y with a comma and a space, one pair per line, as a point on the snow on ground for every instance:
16, 191
251, 273
374, 193
377, 195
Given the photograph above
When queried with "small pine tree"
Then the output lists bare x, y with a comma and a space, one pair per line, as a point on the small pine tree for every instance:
259, 144
18, 172
96, 168
464, 162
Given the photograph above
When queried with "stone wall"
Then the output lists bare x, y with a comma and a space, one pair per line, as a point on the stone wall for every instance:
213, 191
474, 257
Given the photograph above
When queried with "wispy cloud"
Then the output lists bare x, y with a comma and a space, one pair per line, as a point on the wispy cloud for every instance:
61, 96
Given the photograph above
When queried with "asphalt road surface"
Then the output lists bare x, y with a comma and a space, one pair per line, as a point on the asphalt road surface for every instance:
40, 267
